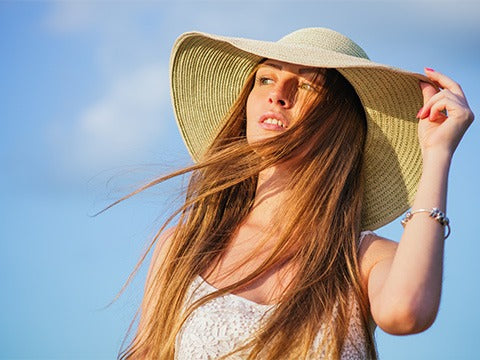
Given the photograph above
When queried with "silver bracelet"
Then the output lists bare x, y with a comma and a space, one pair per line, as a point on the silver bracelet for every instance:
434, 213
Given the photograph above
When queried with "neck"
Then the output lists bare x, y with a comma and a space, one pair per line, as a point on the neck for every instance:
270, 195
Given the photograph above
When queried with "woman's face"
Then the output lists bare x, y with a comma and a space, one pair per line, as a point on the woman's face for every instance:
281, 92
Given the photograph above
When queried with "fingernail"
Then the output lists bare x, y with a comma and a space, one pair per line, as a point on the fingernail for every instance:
419, 112
429, 69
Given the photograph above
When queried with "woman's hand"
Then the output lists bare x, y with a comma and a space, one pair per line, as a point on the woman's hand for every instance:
445, 115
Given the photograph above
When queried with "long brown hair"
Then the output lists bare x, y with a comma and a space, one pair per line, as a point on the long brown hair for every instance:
324, 211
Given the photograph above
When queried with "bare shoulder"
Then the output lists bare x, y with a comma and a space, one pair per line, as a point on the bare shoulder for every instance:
159, 253
160, 250
373, 250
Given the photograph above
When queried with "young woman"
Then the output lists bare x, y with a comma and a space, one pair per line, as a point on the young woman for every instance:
302, 147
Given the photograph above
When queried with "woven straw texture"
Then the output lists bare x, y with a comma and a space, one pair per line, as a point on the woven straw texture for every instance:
207, 73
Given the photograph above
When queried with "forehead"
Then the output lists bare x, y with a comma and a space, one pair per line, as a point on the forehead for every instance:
302, 70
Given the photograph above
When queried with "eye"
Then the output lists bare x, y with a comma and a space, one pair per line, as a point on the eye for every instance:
307, 86
263, 80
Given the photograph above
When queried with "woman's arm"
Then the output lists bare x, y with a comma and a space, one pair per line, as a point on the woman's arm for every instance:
404, 281
156, 261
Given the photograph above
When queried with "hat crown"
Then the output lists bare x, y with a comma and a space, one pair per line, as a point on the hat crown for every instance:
325, 39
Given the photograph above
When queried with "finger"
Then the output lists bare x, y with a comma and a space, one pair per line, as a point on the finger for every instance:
425, 110
428, 90
444, 81
438, 112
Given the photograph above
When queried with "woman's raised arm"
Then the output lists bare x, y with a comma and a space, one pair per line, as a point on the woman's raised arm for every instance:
404, 282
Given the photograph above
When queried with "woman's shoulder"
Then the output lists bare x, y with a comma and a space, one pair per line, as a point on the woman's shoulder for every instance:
373, 249
160, 249
363, 235
371, 244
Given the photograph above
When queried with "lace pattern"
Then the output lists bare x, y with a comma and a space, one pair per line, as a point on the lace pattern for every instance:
227, 322
219, 326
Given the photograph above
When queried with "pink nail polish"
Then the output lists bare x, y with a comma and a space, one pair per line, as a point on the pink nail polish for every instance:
429, 69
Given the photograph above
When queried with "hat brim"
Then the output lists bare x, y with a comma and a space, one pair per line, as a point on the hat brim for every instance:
207, 73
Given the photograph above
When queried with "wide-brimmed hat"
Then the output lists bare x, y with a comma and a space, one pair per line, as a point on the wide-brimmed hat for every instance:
208, 71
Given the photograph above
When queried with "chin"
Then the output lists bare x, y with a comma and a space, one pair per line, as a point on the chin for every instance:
258, 139
253, 138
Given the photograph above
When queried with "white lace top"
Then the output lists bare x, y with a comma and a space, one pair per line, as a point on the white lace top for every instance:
226, 322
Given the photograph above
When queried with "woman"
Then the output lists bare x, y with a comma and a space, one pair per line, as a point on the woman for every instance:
302, 146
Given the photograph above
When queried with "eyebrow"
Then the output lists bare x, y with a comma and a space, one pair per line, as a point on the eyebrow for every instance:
301, 71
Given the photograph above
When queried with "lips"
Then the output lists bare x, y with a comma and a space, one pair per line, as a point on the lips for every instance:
273, 121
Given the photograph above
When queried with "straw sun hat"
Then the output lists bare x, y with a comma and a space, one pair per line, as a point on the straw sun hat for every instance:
207, 73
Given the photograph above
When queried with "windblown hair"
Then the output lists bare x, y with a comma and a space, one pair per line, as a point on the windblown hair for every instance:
319, 234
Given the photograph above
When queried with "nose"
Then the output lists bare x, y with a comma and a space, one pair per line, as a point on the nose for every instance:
283, 94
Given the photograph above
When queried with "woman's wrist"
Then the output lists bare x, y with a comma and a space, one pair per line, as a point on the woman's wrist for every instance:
437, 155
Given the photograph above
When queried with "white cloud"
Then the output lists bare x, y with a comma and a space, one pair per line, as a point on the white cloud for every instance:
127, 119
119, 128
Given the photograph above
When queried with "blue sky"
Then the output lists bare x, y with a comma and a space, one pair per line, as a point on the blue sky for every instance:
86, 117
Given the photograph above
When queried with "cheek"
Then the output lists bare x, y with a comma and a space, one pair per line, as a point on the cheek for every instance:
250, 104
251, 111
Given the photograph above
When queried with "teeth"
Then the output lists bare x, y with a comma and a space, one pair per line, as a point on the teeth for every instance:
274, 122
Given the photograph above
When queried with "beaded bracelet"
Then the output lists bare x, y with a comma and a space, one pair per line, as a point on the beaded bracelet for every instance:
434, 213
